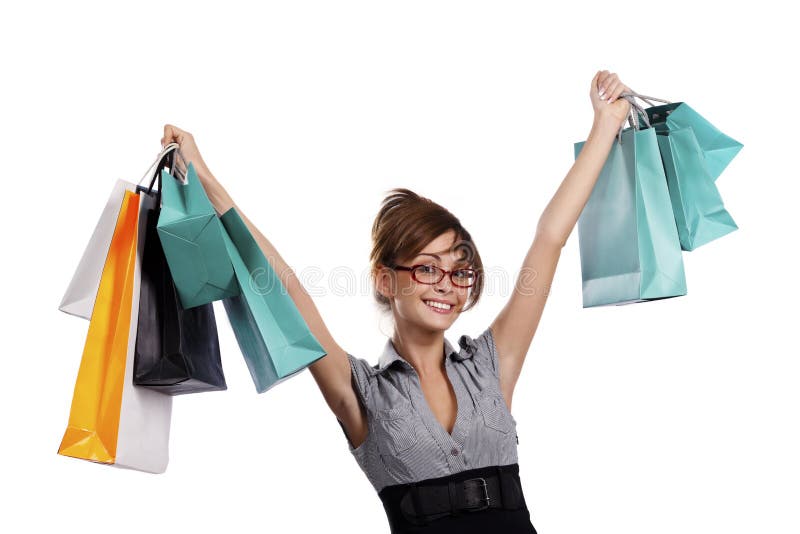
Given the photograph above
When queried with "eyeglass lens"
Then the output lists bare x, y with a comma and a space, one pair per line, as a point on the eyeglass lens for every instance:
430, 274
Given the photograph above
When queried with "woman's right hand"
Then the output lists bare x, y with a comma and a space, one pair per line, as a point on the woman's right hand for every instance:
188, 149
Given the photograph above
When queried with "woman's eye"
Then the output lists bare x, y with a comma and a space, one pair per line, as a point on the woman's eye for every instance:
428, 268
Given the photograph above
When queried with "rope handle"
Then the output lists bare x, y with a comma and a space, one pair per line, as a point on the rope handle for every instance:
636, 110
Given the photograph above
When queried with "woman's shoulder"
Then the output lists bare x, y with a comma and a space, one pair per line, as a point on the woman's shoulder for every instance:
361, 365
480, 349
362, 374
482, 342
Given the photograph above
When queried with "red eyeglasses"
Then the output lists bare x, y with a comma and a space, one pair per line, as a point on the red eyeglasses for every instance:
431, 274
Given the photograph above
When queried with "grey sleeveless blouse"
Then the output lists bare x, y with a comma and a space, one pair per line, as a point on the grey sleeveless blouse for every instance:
406, 443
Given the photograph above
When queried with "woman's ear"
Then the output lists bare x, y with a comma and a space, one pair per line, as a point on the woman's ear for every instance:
384, 282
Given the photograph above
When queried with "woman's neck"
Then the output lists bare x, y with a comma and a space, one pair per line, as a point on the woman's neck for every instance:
423, 349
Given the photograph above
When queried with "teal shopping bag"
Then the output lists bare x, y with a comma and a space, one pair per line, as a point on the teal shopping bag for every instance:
191, 236
700, 215
628, 241
718, 148
272, 334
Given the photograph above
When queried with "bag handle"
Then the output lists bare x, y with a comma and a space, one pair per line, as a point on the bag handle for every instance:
631, 97
649, 99
632, 118
165, 158
639, 112
161, 156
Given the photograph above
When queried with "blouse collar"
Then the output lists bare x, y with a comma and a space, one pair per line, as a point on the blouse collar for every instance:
390, 355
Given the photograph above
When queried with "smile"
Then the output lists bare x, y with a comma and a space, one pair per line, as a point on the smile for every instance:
438, 307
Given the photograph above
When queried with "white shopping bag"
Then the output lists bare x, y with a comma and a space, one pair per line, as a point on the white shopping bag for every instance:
82, 290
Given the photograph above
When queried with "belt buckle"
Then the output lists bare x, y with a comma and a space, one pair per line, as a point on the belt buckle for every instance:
484, 499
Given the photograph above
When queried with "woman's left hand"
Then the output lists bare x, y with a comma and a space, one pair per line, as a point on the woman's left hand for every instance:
604, 94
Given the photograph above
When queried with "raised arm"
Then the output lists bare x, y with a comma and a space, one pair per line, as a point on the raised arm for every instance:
515, 325
332, 372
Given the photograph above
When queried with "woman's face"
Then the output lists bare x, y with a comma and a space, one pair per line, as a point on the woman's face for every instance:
429, 306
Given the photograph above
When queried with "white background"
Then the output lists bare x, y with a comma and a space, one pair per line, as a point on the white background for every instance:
679, 415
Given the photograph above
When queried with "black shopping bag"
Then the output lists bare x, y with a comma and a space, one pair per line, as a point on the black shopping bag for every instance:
177, 350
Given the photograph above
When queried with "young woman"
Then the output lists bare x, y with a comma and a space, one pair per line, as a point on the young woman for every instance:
430, 425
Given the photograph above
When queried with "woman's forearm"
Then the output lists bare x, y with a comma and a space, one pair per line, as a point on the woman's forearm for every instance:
222, 202
332, 373
562, 212
217, 194
326, 367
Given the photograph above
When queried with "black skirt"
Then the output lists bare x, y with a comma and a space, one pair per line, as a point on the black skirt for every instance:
505, 520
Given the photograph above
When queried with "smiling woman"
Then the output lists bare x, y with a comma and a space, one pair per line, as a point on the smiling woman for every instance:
413, 228
429, 425
440, 437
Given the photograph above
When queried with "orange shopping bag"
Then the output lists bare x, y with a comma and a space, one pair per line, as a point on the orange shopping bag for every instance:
95, 413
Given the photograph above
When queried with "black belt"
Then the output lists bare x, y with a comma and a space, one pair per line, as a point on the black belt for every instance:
466, 492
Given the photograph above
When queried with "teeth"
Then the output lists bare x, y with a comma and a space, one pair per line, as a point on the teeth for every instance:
438, 305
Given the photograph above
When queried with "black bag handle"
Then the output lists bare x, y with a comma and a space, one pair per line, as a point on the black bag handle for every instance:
166, 158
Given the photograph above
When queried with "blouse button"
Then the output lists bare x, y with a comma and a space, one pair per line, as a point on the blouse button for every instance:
454, 451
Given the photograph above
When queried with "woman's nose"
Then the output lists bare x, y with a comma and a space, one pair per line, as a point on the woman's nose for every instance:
444, 285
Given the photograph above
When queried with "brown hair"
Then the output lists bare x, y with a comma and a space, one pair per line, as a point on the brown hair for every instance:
405, 224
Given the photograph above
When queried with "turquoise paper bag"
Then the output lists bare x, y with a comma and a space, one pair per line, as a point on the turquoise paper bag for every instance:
628, 241
718, 148
700, 215
191, 235
273, 336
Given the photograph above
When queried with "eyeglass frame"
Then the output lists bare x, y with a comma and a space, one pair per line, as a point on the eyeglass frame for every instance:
444, 272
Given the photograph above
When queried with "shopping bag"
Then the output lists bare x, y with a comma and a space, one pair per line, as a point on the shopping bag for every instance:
111, 420
80, 295
79, 298
628, 241
191, 236
272, 334
719, 149
699, 212
145, 415
177, 350
94, 416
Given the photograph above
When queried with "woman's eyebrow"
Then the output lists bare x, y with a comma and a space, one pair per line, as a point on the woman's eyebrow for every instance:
460, 263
